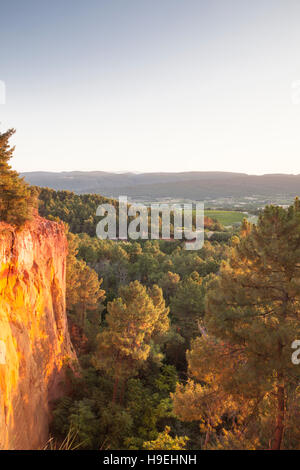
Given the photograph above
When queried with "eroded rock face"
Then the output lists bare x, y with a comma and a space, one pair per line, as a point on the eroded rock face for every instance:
34, 338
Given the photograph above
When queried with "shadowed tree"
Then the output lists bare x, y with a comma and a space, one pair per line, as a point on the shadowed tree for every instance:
84, 293
243, 361
135, 318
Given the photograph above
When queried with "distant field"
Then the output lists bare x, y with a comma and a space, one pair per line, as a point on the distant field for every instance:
226, 217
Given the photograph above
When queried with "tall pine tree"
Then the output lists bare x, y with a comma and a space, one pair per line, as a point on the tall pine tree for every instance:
242, 362
135, 319
17, 199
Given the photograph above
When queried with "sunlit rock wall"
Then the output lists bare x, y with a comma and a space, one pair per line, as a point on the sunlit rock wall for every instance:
34, 338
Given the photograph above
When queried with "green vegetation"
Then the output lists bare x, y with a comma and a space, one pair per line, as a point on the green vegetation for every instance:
241, 365
177, 349
131, 340
17, 199
226, 217
184, 349
79, 212
166, 442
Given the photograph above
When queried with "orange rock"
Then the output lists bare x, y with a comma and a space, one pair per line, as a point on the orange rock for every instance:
33, 330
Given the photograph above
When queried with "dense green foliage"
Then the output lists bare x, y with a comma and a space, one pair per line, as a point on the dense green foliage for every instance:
79, 212
241, 366
176, 349
17, 199
136, 308
131, 341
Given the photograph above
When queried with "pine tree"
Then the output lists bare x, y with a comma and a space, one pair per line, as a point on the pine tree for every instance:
243, 360
169, 283
133, 319
187, 306
84, 293
17, 199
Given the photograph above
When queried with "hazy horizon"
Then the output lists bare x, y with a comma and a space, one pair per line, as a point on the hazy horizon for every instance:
159, 172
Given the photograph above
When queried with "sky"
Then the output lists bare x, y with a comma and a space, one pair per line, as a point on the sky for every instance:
152, 85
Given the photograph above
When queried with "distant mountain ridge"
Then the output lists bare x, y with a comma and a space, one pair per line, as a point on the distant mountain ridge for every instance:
187, 185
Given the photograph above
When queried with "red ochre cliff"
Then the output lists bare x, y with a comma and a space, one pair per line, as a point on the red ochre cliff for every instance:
34, 338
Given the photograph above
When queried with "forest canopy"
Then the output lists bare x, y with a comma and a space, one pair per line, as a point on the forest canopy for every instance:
177, 349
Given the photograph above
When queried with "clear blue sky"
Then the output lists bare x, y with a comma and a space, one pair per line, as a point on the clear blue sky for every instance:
152, 85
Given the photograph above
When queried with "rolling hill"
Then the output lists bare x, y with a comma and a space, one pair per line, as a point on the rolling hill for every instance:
186, 185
